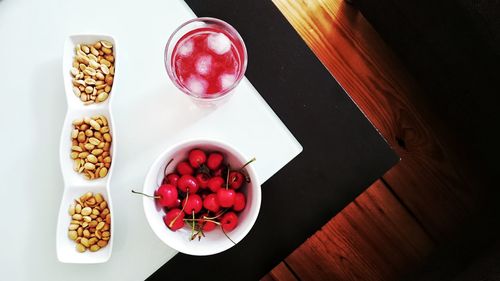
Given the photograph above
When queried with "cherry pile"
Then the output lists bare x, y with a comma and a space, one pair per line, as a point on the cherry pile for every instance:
203, 192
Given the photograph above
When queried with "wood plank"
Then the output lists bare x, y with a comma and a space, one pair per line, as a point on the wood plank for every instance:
267, 277
426, 180
373, 238
280, 273
454, 65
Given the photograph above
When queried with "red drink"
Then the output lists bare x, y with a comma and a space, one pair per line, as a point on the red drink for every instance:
206, 61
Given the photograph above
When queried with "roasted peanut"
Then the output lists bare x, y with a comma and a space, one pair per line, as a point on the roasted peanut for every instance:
87, 229
93, 69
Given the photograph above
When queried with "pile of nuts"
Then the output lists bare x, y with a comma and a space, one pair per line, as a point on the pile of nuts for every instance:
90, 222
91, 144
93, 71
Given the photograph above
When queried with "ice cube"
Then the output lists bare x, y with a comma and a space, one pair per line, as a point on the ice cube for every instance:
218, 43
203, 64
227, 80
186, 48
196, 85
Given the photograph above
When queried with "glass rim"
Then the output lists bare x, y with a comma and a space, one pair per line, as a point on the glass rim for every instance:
173, 77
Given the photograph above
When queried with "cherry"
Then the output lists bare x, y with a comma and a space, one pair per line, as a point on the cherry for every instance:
215, 183
165, 196
177, 203
239, 202
208, 185
187, 182
192, 204
214, 160
235, 179
184, 168
225, 197
229, 221
202, 179
218, 172
208, 226
172, 178
210, 203
168, 195
174, 219
196, 158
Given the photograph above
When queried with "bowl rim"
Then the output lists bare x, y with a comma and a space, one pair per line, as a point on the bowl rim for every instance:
257, 195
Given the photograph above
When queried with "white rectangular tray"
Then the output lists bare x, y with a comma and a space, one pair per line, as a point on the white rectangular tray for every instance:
149, 114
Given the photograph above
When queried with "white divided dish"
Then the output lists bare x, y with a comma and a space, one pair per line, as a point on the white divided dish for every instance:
75, 185
214, 241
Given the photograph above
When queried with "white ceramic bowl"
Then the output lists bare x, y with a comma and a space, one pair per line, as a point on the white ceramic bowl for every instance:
214, 241
74, 183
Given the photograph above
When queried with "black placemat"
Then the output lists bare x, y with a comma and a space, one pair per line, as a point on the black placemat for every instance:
343, 154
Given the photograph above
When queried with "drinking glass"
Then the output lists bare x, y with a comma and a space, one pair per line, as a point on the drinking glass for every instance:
206, 58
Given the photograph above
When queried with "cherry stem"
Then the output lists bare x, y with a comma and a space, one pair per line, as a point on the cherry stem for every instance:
222, 228
202, 220
192, 228
182, 210
227, 178
199, 233
212, 218
147, 195
248, 163
165, 170
194, 235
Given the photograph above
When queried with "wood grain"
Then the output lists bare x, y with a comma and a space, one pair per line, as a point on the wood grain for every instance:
389, 229
373, 238
426, 180
280, 273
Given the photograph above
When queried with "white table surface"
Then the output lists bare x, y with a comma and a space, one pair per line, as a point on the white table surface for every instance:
149, 114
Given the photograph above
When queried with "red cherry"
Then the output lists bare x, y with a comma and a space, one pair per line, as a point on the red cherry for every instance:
214, 160
225, 197
239, 202
168, 195
202, 179
176, 214
218, 172
215, 183
184, 168
229, 221
196, 158
210, 203
172, 178
177, 203
187, 182
208, 226
235, 179
193, 204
